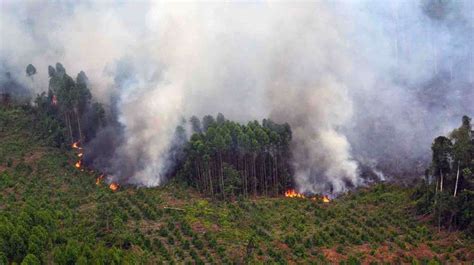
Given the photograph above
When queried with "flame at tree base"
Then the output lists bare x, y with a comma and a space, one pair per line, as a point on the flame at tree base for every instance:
292, 193
114, 186
99, 180
78, 164
75, 145
326, 198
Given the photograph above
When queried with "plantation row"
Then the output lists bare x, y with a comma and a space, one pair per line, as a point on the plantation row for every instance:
52, 212
128, 220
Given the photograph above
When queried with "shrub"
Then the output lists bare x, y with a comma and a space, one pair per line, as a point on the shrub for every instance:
170, 240
197, 242
30, 259
163, 232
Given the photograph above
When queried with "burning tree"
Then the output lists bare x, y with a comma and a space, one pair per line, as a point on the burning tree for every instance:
72, 101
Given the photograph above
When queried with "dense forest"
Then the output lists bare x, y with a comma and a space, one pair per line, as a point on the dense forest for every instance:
226, 159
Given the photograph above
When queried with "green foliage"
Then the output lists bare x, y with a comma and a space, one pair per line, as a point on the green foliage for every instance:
462, 148
61, 113
442, 152
31, 259
228, 159
59, 215
449, 197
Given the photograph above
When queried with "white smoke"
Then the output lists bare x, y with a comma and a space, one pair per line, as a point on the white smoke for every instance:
351, 78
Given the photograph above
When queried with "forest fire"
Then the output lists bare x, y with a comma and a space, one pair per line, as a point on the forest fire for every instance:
99, 179
75, 145
78, 164
291, 193
326, 199
113, 186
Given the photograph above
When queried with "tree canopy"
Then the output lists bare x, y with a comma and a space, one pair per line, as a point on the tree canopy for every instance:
227, 159
449, 197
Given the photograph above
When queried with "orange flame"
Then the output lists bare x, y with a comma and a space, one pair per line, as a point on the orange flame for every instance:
75, 145
291, 193
326, 199
113, 186
99, 179
78, 164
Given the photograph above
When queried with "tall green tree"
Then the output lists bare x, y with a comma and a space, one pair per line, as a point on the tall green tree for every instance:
195, 124
462, 151
442, 155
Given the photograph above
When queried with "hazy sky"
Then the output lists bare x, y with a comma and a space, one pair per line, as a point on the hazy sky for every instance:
368, 82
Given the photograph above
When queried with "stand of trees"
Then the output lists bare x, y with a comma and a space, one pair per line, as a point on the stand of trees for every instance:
66, 113
225, 159
448, 193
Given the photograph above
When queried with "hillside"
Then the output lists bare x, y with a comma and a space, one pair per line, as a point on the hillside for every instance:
59, 214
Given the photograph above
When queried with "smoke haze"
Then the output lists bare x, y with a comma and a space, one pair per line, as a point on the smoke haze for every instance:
360, 82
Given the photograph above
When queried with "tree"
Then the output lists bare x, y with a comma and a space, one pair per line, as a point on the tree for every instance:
195, 124
82, 261
30, 70
73, 100
207, 121
34, 245
220, 119
451, 209
442, 149
232, 180
80, 96
72, 251
3, 259
17, 247
219, 146
462, 149
31, 259
466, 122
462, 143
60, 86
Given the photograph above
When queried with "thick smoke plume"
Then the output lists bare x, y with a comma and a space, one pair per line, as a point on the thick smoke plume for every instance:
363, 84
